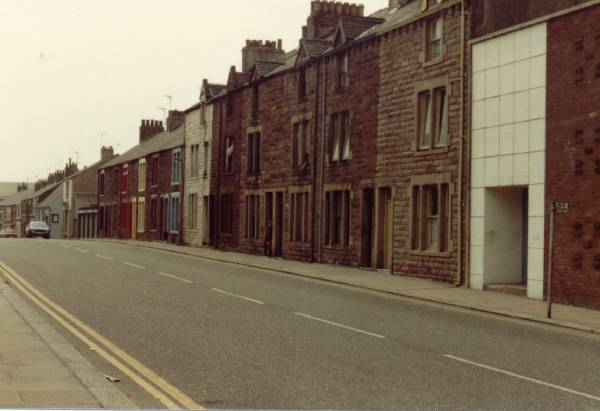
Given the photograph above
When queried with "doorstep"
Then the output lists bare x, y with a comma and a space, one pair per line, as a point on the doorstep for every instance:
513, 289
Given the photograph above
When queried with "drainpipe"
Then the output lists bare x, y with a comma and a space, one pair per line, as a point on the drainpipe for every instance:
314, 165
182, 187
322, 165
218, 173
462, 209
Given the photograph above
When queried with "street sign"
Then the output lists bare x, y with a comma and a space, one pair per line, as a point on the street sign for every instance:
561, 206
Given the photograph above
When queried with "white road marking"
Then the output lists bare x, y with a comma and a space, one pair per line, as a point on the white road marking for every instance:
252, 300
79, 250
134, 265
310, 317
64, 246
522, 377
175, 277
105, 257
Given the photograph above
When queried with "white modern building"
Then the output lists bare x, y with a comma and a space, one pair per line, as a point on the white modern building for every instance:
508, 133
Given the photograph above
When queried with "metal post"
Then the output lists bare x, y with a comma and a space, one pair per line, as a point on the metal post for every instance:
552, 211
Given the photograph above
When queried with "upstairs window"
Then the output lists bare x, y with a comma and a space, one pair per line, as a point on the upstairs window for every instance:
155, 162
176, 166
194, 152
302, 83
253, 159
205, 159
255, 102
116, 181
339, 136
435, 32
301, 145
432, 115
229, 105
203, 114
142, 175
341, 66
228, 150
125, 179
101, 183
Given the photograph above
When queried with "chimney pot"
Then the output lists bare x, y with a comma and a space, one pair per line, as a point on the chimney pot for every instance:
279, 44
361, 10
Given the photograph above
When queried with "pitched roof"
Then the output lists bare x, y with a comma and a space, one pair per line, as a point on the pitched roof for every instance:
315, 47
16, 198
265, 67
42, 191
7, 189
160, 142
353, 27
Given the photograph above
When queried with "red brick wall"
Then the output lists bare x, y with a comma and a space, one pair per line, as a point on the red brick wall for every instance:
573, 155
163, 187
225, 125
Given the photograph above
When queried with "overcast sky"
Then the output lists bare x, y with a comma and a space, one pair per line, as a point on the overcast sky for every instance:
75, 74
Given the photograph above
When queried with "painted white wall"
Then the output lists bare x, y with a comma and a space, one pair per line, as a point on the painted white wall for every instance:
508, 134
196, 133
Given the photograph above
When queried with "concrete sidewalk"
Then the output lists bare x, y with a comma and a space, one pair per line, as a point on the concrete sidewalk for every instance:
577, 318
33, 364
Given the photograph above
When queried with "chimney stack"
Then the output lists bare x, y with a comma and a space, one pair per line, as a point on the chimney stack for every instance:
257, 50
150, 128
106, 153
324, 16
175, 119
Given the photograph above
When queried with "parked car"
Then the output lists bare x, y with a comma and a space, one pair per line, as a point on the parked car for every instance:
8, 233
37, 229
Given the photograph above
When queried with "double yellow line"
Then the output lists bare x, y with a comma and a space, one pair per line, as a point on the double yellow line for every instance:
163, 391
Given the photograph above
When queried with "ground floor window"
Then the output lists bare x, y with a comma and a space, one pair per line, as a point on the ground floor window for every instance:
299, 214
252, 216
153, 213
430, 217
226, 216
173, 214
337, 218
193, 211
141, 215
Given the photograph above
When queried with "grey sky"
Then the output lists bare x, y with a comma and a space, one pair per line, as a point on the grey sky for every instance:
78, 73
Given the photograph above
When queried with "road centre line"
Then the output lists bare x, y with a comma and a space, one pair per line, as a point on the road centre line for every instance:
56, 311
79, 250
133, 265
522, 377
310, 317
175, 277
252, 300
104, 257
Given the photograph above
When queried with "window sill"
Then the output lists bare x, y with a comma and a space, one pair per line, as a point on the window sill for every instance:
432, 62
432, 151
336, 246
425, 253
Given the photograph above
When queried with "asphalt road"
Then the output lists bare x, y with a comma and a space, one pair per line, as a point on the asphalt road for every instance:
234, 337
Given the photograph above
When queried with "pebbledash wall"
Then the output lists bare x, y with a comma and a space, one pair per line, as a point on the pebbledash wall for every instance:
573, 163
508, 130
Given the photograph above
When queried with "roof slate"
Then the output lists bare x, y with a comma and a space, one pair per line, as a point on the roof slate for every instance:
160, 142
